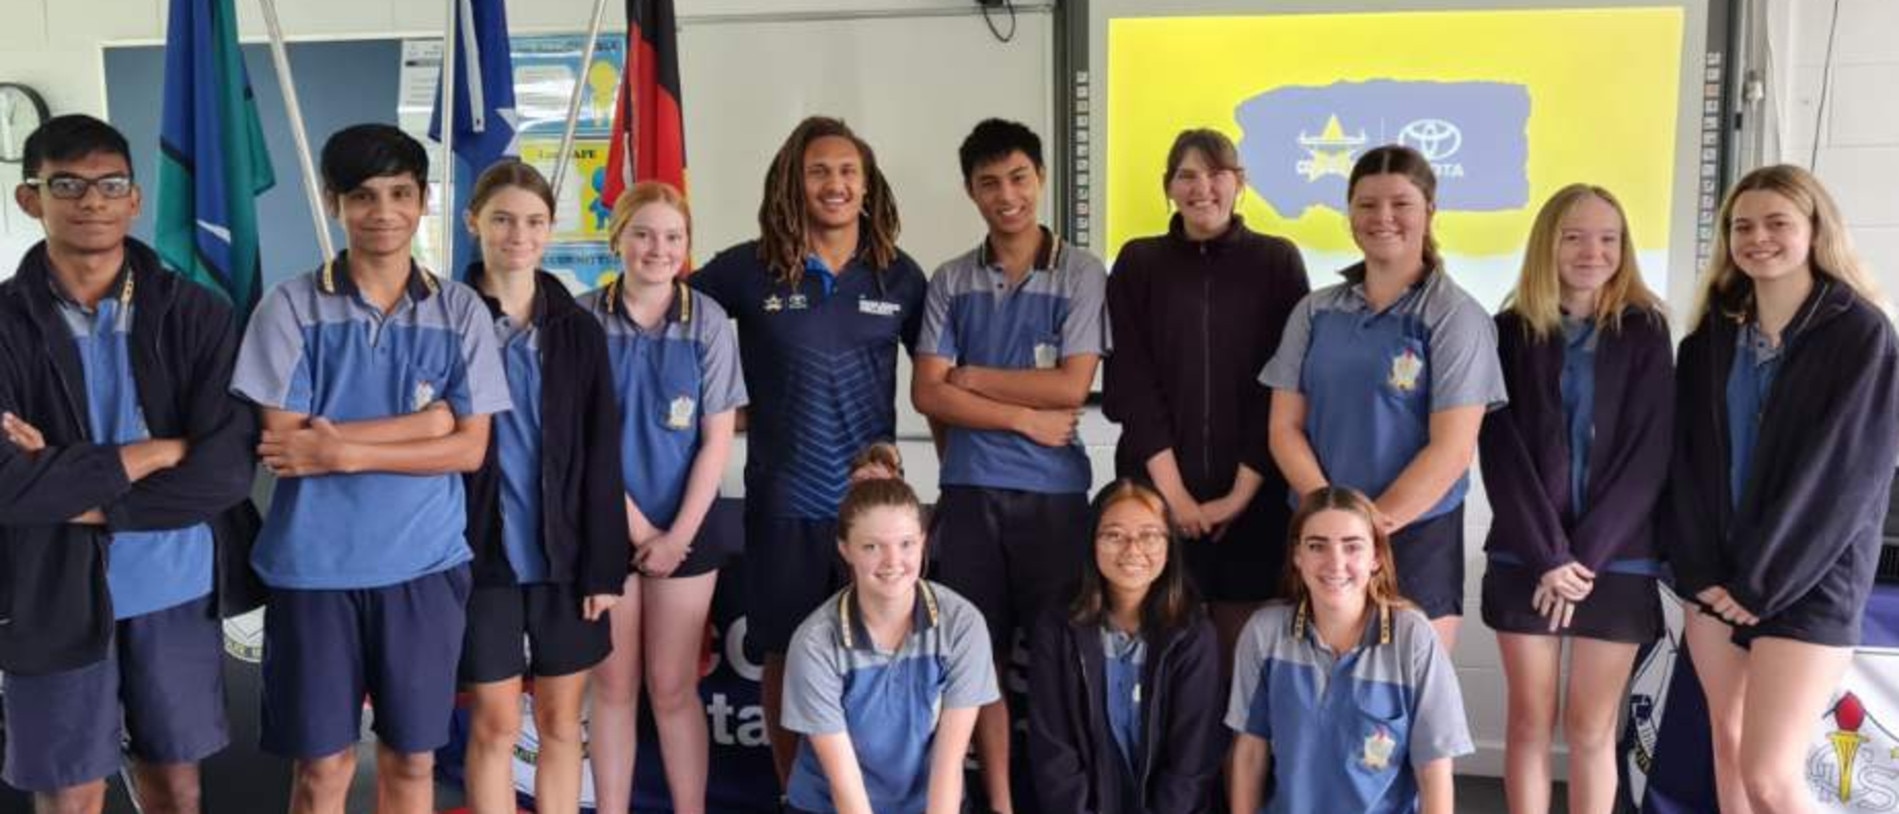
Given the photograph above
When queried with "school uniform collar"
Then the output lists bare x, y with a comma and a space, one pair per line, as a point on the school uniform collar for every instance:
855, 636
334, 279
681, 311
1355, 275
1302, 626
1048, 254
537, 308
121, 289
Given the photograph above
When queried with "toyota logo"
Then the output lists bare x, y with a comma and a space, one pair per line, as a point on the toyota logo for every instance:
1436, 139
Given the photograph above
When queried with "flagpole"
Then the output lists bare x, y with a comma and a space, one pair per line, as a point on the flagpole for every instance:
281, 56
562, 158
448, 140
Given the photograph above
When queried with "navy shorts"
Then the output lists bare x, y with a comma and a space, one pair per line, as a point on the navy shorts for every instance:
547, 616
791, 567
324, 651
1621, 607
161, 683
1430, 559
1012, 553
1248, 563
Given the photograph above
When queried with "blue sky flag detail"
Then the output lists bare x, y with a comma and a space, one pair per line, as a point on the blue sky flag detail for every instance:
1299, 143
485, 115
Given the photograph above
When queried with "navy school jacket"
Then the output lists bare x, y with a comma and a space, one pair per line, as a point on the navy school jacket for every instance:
55, 608
1808, 522
1070, 747
583, 501
1526, 456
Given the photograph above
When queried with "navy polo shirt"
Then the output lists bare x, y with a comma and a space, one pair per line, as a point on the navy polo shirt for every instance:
148, 570
1347, 729
837, 681
668, 379
315, 346
820, 363
1372, 379
974, 316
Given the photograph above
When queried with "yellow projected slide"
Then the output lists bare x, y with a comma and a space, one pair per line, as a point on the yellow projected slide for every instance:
1509, 106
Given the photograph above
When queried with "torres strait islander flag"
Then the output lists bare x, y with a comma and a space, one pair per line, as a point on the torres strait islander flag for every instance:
649, 130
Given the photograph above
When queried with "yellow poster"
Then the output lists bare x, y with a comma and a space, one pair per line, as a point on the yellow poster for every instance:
579, 215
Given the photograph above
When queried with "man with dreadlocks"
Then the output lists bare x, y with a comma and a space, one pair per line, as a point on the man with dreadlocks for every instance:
821, 300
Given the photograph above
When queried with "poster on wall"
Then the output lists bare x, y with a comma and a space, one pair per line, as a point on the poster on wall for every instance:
546, 70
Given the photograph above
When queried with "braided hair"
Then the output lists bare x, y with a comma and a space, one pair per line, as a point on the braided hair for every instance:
782, 216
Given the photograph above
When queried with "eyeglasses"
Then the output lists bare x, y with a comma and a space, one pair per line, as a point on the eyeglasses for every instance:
73, 187
1149, 540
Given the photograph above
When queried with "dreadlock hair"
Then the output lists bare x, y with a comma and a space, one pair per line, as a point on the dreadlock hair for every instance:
782, 216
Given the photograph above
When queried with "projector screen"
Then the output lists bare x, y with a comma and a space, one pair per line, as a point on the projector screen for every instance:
1509, 104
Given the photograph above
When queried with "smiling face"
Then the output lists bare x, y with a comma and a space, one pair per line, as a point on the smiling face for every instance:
1131, 548
92, 223
1203, 194
833, 183
654, 244
1769, 237
1588, 246
380, 216
513, 227
1007, 192
1390, 219
1336, 558
884, 549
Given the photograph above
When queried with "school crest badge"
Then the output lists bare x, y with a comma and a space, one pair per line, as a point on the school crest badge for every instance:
1405, 368
679, 413
773, 304
1378, 748
424, 396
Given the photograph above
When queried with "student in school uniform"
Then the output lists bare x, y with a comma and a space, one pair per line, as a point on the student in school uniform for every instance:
1124, 713
1787, 428
1574, 468
822, 300
1381, 382
1345, 687
676, 370
123, 477
884, 680
377, 382
546, 517
1012, 333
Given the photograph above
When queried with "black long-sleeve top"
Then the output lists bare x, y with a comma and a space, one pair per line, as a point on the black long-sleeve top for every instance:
1526, 457
1194, 322
1806, 529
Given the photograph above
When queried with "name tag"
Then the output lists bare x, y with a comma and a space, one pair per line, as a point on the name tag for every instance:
879, 308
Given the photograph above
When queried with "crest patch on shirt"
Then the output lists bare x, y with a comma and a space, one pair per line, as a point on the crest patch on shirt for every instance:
773, 304
679, 413
1378, 747
1405, 368
424, 396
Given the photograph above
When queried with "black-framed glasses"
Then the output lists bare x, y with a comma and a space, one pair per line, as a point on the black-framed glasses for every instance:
73, 187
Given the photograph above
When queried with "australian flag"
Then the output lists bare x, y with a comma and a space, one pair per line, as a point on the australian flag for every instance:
484, 109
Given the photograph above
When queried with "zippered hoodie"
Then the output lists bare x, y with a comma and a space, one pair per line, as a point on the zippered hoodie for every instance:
1194, 322
1526, 456
55, 607
1074, 754
583, 502
1806, 532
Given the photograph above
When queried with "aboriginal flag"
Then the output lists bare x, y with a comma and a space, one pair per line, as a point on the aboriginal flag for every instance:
649, 129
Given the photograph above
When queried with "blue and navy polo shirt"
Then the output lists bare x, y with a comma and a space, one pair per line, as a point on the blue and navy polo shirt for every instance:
518, 446
820, 364
836, 680
1750, 378
974, 316
148, 570
1372, 379
668, 379
315, 346
1347, 730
